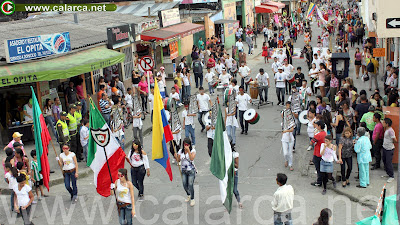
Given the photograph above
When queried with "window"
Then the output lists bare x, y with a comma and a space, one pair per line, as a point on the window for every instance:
128, 63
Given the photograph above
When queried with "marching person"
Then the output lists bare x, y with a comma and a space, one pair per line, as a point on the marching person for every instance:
202, 102
280, 79
210, 135
125, 197
140, 167
275, 65
263, 80
72, 128
188, 122
235, 155
175, 144
137, 125
67, 160
62, 129
231, 124
186, 157
282, 203
288, 142
242, 100
209, 77
244, 71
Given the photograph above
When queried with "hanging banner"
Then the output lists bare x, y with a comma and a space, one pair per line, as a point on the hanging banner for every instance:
276, 19
173, 50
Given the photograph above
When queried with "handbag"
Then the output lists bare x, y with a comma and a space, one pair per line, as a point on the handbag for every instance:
365, 77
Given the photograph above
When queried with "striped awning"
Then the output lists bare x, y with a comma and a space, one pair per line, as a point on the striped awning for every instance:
142, 8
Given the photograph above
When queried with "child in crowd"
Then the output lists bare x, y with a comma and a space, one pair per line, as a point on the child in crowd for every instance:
11, 179
84, 135
36, 176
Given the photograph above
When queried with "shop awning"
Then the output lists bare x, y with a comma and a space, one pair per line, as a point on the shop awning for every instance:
182, 30
59, 68
266, 9
225, 21
280, 5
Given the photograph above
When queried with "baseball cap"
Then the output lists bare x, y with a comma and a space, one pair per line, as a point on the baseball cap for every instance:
280, 68
72, 106
78, 103
162, 68
17, 134
63, 113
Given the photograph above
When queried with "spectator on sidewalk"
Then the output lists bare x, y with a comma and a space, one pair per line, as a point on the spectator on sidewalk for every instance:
346, 147
377, 140
318, 140
388, 148
362, 148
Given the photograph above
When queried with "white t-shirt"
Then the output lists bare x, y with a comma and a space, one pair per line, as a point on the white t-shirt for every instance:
281, 57
263, 79
174, 96
137, 122
288, 69
313, 71
185, 79
186, 163
210, 132
244, 71
231, 120
239, 45
128, 100
317, 62
311, 128
242, 101
29, 111
275, 66
209, 77
228, 62
236, 88
189, 120
203, 101
306, 89
12, 181
68, 161
161, 85
219, 67
22, 195
177, 137
225, 78
280, 79
83, 134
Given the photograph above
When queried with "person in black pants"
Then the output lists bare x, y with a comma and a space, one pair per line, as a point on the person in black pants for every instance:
140, 165
242, 99
377, 140
318, 139
345, 151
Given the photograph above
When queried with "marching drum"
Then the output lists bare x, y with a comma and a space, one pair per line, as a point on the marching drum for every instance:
251, 116
207, 118
303, 117
254, 92
291, 78
220, 88
248, 79
226, 95
214, 83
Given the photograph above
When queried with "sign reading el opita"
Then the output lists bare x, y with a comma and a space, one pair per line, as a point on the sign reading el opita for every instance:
23, 49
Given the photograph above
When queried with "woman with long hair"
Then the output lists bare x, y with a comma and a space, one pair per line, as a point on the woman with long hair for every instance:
125, 197
48, 115
328, 155
186, 157
23, 199
357, 61
140, 166
324, 217
67, 160
339, 124
265, 51
313, 76
346, 148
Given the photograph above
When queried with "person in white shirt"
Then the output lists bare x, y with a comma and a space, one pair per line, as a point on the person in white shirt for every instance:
234, 86
129, 100
242, 101
317, 60
239, 45
225, 78
209, 77
244, 71
175, 144
210, 136
282, 204
328, 155
186, 85
280, 78
161, 85
219, 67
231, 125
67, 160
263, 81
137, 125
140, 166
202, 101
163, 76
151, 100
175, 95
305, 92
188, 122
266, 33
23, 199
275, 65
288, 69
84, 137
228, 62
281, 56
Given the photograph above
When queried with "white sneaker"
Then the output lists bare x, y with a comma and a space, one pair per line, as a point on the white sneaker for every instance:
192, 202
385, 176
173, 161
34, 202
187, 199
309, 148
390, 180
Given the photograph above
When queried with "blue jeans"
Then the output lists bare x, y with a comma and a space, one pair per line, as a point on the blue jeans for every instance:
231, 130
210, 88
235, 183
68, 178
125, 215
282, 218
200, 118
280, 93
265, 90
189, 130
188, 181
85, 150
50, 121
186, 92
84, 107
121, 142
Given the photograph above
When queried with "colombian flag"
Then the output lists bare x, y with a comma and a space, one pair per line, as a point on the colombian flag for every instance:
310, 10
161, 133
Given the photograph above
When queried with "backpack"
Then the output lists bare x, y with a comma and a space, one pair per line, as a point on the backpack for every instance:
370, 67
197, 68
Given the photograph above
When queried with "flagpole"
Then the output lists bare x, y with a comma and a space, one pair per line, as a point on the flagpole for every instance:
109, 172
55, 152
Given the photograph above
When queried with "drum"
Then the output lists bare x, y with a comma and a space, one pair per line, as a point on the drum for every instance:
168, 115
171, 104
318, 83
303, 117
227, 92
214, 83
220, 88
251, 116
248, 79
291, 78
207, 118
253, 92
165, 101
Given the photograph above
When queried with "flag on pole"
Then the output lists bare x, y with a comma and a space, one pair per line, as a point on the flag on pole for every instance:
161, 133
310, 10
97, 155
222, 165
42, 139
321, 16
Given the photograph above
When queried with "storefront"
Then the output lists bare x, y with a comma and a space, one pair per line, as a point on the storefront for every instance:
48, 77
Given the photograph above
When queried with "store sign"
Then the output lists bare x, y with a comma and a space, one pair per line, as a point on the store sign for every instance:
230, 14
379, 52
173, 50
120, 36
169, 17
23, 49
147, 26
